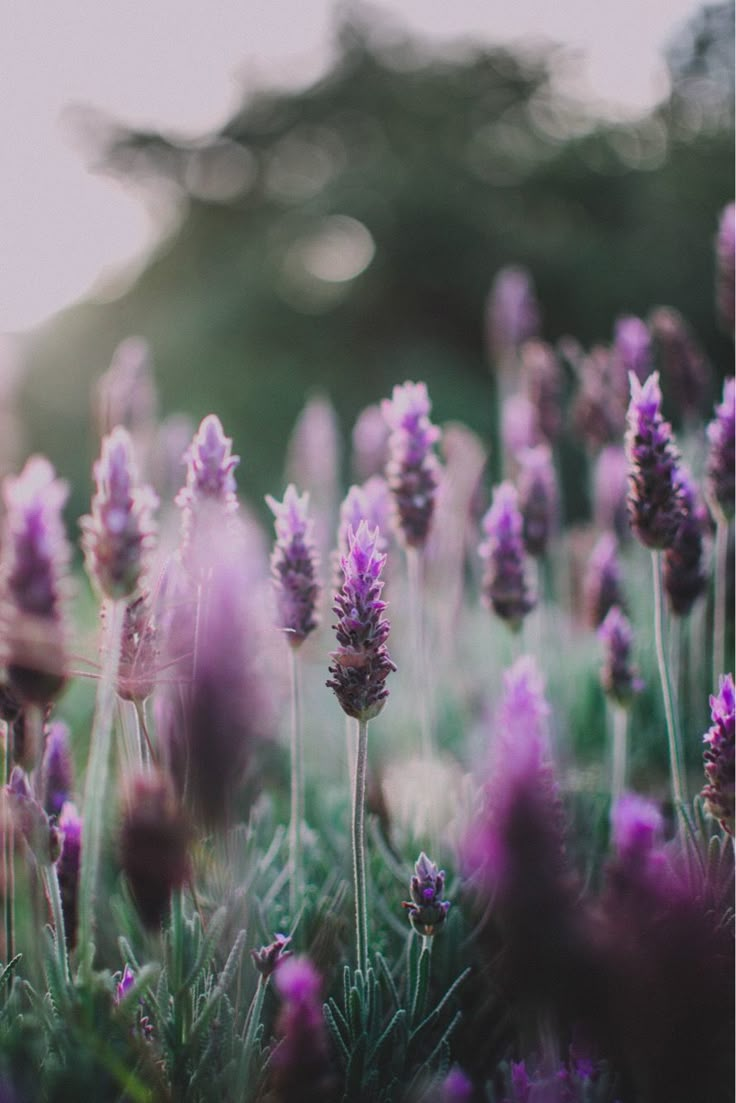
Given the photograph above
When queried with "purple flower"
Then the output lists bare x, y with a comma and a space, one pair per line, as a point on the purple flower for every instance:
610, 490
412, 471
684, 368
542, 379
119, 534
719, 755
602, 583
34, 825
504, 585
124, 985
67, 868
427, 911
684, 574
456, 1088
126, 393
619, 678
370, 443
35, 555
210, 482
655, 505
512, 312
538, 498
57, 772
637, 827
632, 346
300, 1063
722, 453
294, 564
599, 406
519, 424
361, 663
371, 503
725, 252
271, 957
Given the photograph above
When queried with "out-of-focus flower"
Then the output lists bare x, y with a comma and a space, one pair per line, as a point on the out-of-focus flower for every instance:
209, 490
294, 566
720, 762
57, 772
371, 503
370, 443
456, 1088
725, 254
68, 866
35, 556
412, 471
632, 346
637, 827
684, 570
619, 678
361, 663
504, 585
300, 1064
610, 490
124, 985
602, 584
512, 311
427, 911
655, 505
599, 407
542, 380
118, 535
30, 819
126, 393
684, 369
154, 845
722, 453
268, 958
538, 498
519, 425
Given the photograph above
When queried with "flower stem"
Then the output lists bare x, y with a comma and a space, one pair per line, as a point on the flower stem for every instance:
297, 786
8, 849
719, 599
670, 709
361, 905
618, 771
422, 687
54, 895
95, 788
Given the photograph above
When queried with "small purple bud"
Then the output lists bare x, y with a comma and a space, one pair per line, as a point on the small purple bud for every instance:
684, 369
124, 985
512, 311
370, 443
619, 678
413, 470
57, 772
504, 584
456, 1088
538, 498
602, 584
632, 346
684, 570
426, 910
722, 453
542, 379
361, 663
655, 505
68, 867
294, 566
637, 827
35, 555
118, 535
725, 253
269, 958
610, 491
719, 755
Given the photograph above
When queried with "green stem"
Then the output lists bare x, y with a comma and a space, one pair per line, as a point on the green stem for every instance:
422, 687
719, 599
618, 770
8, 848
361, 906
420, 992
54, 895
253, 1021
95, 788
297, 787
670, 709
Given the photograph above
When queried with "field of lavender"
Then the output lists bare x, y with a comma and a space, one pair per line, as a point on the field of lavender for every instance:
439, 804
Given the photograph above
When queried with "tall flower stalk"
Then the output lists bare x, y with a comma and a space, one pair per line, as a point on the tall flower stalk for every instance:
620, 682
721, 495
360, 666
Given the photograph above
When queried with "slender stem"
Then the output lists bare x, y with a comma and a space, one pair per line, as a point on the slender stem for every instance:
673, 728
719, 600
253, 1021
95, 788
297, 786
620, 733
140, 712
421, 688
8, 848
57, 912
361, 906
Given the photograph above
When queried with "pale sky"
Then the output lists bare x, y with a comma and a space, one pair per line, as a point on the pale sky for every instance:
182, 65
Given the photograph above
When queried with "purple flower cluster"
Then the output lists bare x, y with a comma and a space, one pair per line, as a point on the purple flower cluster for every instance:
210, 482
542, 382
268, 958
294, 566
118, 535
720, 762
512, 313
361, 663
427, 911
301, 1069
599, 407
610, 491
57, 775
504, 584
632, 346
618, 677
722, 453
68, 867
684, 368
413, 470
684, 569
538, 498
655, 499
602, 583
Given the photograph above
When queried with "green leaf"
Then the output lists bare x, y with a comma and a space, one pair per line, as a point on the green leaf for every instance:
223, 983
336, 1032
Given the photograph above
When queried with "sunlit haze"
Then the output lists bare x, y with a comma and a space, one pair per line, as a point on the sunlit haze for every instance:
65, 230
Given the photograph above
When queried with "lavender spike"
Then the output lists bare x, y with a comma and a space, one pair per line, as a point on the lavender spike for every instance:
413, 469
719, 755
505, 588
655, 502
294, 566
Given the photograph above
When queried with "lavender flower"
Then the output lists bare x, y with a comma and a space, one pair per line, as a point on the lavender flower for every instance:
618, 677
300, 1064
119, 534
427, 911
599, 406
602, 583
725, 252
637, 827
34, 825
34, 563
456, 1088
294, 564
126, 393
722, 453
370, 503
370, 443
154, 845
413, 470
512, 312
505, 589
538, 498
67, 868
57, 772
124, 985
655, 506
632, 346
210, 482
361, 663
684, 573
542, 380
269, 958
719, 755
610, 490
684, 368
519, 424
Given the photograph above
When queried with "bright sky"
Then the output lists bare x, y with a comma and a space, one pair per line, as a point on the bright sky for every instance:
182, 65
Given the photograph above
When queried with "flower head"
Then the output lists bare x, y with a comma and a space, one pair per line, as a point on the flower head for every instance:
655, 505
722, 453
427, 910
719, 755
68, 866
619, 678
602, 582
512, 312
505, 588
269, 958
210, 482
35, 555
294, 564
538, 498
637, 826
118, 535
599, 406
610, 491
684, 368
361, 663
300, 1064
412, 471
126, 393
632, 346
57, 773
684, 574
370, 443
542, 378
